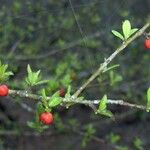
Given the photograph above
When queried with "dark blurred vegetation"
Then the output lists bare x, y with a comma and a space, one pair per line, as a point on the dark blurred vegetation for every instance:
46, 35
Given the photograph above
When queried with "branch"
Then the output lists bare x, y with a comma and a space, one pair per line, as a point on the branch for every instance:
103, 66
90, 103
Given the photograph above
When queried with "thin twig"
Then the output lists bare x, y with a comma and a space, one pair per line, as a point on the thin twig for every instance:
103, 66
13, 48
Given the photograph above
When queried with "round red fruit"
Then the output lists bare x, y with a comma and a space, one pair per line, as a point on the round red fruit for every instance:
4, 90
147, 43
46, 118
62, 92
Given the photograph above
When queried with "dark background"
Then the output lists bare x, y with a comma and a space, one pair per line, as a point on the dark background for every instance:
47, 35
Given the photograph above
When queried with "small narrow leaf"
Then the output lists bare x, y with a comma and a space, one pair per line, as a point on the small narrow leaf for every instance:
29, 69
102, 109
68, 94
117, 34
42, 82
126, 28
133, 31
31, 124
111, 67
9, 73
4, 74
44, 94
107, 113
114, 78
56, 94
102, 104
148, 99
40, 108
53, 84
54, 101
33, 78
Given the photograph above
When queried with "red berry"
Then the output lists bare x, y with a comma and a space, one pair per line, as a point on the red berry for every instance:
147, 43
62, 92
3, 90
46, 118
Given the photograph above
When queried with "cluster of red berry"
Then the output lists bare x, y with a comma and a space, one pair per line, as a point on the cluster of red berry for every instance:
46, 117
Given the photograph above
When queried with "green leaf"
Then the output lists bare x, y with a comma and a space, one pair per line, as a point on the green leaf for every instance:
29, 69
148, 99
40, 108
4, 74
102, 109
33, 78
133, 31
68, 93
126, 28
102, 104
138, 144
89, 132
114, 138
56, 94
42, 82
55, 101
117, 34
36, 126
44, 94
53, 84
8, 73
111, 67
114, 78
107, 113
31, 124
